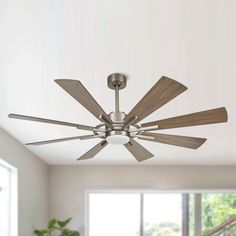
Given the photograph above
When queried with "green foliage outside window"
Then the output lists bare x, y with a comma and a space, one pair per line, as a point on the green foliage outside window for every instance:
216, 209
162, 229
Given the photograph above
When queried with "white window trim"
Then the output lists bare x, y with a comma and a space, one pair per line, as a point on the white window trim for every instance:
13, 203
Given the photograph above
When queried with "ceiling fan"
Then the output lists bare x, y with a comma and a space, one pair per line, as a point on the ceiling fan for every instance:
121, 128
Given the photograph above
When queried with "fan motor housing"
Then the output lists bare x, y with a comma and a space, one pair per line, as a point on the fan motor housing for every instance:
117, 117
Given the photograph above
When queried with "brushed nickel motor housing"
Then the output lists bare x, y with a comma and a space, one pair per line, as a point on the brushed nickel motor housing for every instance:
117, 116
116, 81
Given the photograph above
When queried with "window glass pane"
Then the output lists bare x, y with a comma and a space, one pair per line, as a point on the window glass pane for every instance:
216, 209
4, 201
191, 214
162, 214
114, 214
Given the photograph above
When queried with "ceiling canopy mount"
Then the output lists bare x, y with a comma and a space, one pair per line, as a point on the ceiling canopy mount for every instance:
116, 81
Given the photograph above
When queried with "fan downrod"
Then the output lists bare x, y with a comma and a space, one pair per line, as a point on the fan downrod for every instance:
116, 81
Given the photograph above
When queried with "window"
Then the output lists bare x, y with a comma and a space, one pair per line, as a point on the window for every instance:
8, 200
135, 214
212, 214
161, 214
111, 213
217, 208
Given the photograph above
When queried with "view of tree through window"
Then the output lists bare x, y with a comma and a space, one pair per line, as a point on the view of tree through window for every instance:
162, 214
216, 209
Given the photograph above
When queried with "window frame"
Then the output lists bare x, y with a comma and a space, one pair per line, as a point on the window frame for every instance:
13, 198
141, 192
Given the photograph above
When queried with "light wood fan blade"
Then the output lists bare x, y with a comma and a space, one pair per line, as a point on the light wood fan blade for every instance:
55, 122
76, 89
138, 151
83, 137
176, 140
93, 151
213, 116
162, 92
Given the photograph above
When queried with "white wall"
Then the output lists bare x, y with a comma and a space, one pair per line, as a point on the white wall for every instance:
32, 184
68, 184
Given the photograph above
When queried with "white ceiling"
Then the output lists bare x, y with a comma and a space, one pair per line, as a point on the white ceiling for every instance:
192, 42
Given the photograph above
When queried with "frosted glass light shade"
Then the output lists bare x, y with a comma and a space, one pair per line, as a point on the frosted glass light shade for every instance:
117, 139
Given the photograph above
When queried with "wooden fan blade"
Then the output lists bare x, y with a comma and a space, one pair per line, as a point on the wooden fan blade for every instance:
94, 151
55, 122
76, 89
83, 137
213, 116
138, 151
182, 141
162, 92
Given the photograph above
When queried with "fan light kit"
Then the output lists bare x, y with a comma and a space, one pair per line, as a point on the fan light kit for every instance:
117, 137
121, 129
